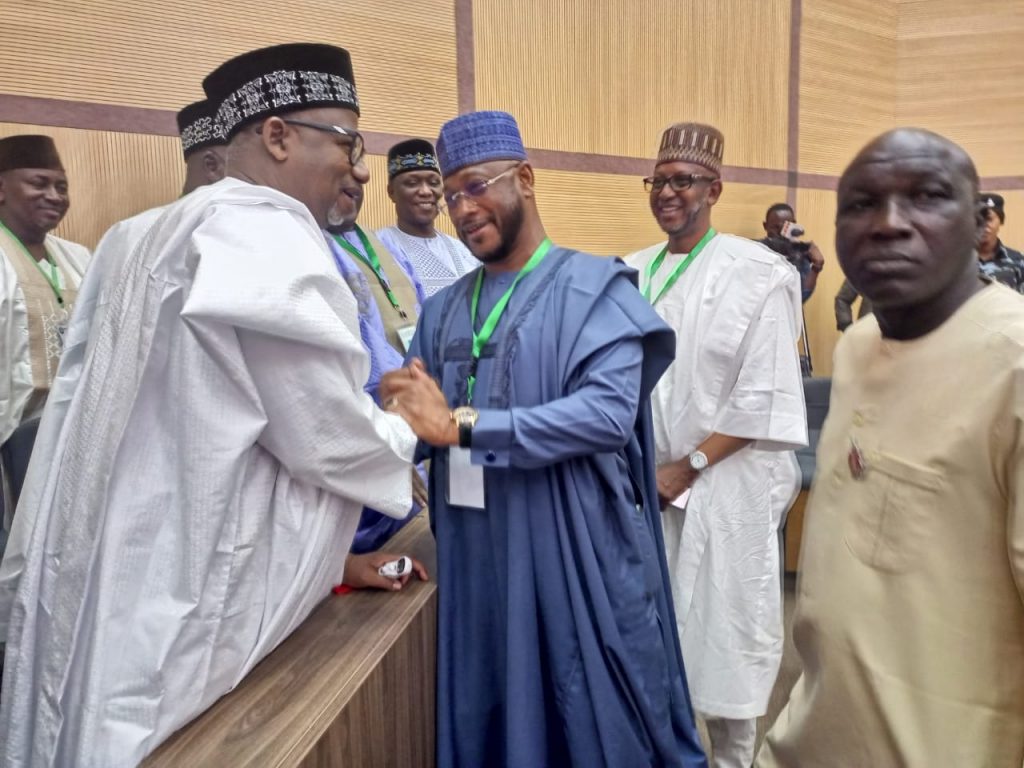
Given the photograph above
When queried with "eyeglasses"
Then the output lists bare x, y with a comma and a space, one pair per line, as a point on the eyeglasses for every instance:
473, 189
678, 183
356, 149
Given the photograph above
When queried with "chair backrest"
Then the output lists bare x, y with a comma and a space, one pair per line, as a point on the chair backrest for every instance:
817, 391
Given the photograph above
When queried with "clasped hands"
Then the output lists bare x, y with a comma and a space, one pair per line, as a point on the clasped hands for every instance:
415, 396
673, 479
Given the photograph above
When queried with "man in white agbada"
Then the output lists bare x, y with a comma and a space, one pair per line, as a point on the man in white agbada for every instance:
219, 448
204, 151
727, 415
39, 277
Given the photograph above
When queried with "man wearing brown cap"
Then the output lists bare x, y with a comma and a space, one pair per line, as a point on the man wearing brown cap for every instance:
40, 277
219, 447
728, 414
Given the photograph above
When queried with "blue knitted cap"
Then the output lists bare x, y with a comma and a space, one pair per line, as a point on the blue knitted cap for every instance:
478, 137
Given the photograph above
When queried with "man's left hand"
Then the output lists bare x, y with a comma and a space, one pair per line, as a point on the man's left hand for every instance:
673, 480
815, 257
361, 571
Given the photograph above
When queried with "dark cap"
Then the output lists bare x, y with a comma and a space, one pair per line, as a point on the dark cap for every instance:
994, 202
197, 128
277, 80
412, 155
29, 151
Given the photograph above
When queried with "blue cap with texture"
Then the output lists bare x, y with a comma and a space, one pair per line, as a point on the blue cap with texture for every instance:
478, 137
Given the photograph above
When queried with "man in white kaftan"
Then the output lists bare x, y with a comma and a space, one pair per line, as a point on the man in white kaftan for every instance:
203, 151
727, 415
216, 454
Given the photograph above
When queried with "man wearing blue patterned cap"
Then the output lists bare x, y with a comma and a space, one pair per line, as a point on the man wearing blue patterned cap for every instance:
556, 641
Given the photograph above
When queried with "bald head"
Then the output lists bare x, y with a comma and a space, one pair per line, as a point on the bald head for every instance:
911, 144
908, 220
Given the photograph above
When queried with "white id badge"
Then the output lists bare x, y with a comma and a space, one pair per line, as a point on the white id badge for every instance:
465, 480
405, 334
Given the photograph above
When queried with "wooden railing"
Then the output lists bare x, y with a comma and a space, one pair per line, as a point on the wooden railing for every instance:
353, 686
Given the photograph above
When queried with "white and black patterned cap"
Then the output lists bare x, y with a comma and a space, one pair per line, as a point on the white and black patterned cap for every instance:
277, 80
197, 128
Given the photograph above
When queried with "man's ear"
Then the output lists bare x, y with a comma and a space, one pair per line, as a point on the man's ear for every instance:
3, 187
276, 134
526, 179
391, 190
714, 191
213, 164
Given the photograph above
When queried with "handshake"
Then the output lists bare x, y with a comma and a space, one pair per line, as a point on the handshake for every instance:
415, 396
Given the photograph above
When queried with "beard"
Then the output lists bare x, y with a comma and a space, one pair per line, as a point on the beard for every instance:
511, 225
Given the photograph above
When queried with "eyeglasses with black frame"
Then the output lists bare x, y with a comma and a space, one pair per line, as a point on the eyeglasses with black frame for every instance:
472, 190
679, 182
356, 150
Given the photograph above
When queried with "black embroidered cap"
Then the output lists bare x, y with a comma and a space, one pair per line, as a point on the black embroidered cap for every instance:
197, 127
280, 79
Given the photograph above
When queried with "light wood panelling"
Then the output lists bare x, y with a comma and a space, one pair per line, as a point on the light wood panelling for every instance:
847, 81
816, 210
961, 73
110, 175
609, 214
608, 77
156, 54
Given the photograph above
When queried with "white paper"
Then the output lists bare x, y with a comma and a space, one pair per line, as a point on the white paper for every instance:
405, 334
465, 480
683, 498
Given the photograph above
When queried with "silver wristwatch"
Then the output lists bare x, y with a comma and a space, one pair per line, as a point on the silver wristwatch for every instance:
698, 461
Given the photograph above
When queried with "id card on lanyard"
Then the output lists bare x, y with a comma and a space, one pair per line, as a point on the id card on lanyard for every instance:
465, 479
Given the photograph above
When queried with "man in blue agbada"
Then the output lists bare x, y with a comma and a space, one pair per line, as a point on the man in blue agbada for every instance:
556, 634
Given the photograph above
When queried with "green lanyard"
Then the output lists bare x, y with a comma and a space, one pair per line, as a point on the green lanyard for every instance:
676, 273
371, 260
53, 278
487, 329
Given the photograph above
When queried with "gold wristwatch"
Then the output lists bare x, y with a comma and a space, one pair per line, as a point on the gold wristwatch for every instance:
465, 419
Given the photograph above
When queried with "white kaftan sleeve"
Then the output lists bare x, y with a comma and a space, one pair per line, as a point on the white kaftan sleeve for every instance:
766, 404
273, 279
324, 428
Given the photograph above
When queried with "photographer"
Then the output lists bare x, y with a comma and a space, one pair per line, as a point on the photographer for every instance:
782, 236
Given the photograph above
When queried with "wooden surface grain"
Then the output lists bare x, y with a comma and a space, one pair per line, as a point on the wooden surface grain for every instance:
353, 686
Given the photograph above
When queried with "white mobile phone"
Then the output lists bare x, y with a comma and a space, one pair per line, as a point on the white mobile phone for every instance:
396, 569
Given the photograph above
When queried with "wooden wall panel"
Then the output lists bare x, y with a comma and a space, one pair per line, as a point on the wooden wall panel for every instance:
609, 214
816, 210
156, 54
961, 73
847, 85
609, 77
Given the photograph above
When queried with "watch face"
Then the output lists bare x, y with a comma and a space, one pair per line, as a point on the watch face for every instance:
698, 460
